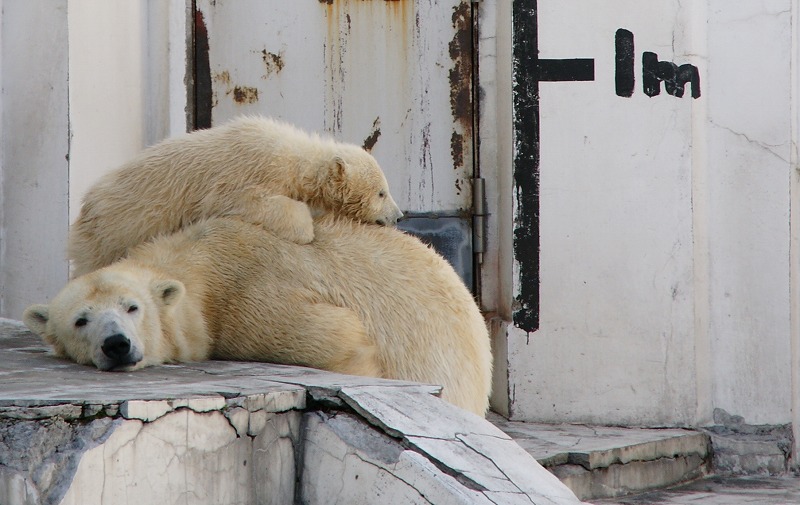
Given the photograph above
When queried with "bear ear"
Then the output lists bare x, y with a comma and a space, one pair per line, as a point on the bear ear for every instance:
35, 317
168, 292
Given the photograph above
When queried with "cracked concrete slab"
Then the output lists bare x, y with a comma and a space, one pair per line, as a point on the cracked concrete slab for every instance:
240, 433
334, 464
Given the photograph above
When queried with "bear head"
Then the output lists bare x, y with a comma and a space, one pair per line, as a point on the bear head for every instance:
109, 318
357, 188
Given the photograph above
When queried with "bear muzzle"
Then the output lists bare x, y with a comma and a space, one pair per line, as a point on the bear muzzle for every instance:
119, 353
392, 219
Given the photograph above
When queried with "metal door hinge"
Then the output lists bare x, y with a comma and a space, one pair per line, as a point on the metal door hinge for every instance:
478, 218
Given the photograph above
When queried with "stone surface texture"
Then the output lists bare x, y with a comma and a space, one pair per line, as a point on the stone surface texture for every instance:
721, 490
240, 433
597, 462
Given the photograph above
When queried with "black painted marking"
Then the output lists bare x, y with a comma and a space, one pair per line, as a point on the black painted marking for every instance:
624, 56
526, 161
203, 94
578, 69
674, 77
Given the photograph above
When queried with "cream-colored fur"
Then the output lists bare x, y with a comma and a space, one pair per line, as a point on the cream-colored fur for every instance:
359, 299
251, 168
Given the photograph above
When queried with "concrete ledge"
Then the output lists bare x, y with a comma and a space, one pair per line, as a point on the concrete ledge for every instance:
746, 449
598, 462
224, 432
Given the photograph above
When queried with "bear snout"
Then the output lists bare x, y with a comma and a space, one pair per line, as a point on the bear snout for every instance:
391, 220
117, 347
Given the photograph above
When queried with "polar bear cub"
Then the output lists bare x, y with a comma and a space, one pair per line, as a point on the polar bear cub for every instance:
359, 299
254, 168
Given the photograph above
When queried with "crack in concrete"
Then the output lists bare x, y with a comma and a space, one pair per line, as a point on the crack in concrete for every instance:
760, 144
502, 472
379, 467
458, 475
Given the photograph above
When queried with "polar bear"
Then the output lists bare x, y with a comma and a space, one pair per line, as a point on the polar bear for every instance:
254, 168
360, 299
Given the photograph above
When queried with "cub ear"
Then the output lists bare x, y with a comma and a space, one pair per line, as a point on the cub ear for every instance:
35, 318
168, 292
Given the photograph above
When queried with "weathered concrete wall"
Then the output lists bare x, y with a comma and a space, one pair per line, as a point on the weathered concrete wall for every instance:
666, 287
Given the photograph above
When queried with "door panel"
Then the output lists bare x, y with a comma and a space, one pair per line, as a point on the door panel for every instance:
394, 77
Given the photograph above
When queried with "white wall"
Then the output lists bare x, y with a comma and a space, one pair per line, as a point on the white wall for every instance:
34, 151
665, 237
126, 82
749, 142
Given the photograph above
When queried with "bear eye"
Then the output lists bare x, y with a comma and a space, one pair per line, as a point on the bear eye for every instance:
81, 322
382, 194
132, 309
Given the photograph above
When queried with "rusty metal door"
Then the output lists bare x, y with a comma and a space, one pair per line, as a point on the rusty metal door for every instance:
393, 76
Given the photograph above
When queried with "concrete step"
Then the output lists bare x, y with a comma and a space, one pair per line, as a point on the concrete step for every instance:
720, 490
602, 462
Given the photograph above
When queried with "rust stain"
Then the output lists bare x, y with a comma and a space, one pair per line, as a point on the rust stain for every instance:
372, 139
334, 49
273, 62
241, 94
359, 31
460, 76
223, 77
457, 149
245, 94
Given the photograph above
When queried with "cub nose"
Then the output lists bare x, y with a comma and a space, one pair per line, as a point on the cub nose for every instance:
116, 346
392, 220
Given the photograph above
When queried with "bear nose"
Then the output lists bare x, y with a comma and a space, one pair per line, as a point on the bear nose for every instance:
116, 346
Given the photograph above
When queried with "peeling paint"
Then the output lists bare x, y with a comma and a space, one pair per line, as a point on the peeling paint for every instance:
223, 77
241, 94
372, 139
460, 48
245, 94
273, 62
457, 149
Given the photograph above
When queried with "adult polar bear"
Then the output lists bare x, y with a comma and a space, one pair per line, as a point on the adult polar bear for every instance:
254, 168
359, 299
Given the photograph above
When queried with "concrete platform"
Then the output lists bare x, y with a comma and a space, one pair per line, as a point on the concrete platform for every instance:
239, 433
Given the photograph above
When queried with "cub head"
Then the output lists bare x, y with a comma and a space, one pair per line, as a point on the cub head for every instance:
109, 318
358, 188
